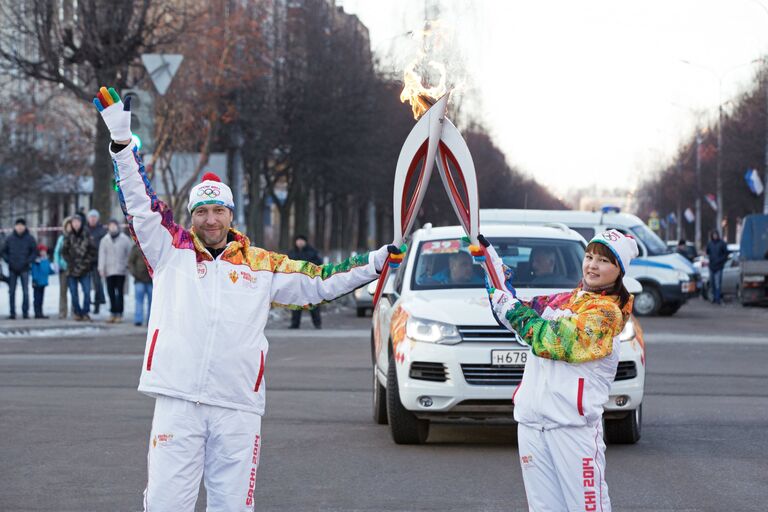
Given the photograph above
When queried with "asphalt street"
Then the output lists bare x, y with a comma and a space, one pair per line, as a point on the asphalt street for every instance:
74, 430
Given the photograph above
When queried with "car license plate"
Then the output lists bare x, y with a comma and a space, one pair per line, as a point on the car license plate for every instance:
508, 357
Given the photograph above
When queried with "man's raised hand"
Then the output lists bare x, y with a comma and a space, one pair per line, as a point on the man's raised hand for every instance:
116, 114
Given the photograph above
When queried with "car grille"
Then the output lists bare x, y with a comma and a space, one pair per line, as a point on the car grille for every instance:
434, 372
487, 333
626, 370
490, 375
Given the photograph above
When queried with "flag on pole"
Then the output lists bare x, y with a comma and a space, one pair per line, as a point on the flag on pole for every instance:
711, 200
754, 182
689, 216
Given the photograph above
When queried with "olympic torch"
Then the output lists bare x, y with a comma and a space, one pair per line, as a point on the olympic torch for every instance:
435, 139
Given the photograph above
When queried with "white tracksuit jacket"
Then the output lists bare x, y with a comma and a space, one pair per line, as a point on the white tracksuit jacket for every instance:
205, 341
574, 337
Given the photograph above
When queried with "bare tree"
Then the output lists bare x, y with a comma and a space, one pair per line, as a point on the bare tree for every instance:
83, 45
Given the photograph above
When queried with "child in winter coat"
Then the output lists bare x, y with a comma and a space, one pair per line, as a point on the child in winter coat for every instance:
574, 338
41, 269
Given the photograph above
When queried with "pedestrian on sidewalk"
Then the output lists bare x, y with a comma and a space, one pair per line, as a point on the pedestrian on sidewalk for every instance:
717, 252
574, 340
41, 269
113, 266
97, 232
305, 252
19, 251
61, 265
142, 283
79, 251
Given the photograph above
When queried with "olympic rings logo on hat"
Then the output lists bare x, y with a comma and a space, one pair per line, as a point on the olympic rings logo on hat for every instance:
209, 191
611, 235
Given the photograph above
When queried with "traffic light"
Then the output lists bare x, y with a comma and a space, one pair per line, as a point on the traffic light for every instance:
142, 118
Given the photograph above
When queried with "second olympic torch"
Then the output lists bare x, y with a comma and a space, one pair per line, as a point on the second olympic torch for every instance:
435, 140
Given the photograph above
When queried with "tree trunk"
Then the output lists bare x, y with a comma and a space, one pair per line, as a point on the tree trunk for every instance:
362, 224
302, 210
285, 225
255, 221
102, 171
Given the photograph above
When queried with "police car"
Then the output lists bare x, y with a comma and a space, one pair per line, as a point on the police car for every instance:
668, 279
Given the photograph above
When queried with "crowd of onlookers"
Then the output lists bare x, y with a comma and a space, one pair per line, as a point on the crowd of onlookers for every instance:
87, 257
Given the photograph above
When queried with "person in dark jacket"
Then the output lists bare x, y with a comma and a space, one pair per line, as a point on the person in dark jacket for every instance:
305, 252
717, 252
97, 230
41, 269
19, 251
142, 284
79, 251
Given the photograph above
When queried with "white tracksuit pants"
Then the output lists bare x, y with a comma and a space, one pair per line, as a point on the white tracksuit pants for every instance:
189, 440
564, 468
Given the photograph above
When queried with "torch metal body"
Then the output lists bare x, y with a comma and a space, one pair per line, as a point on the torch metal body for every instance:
435, 139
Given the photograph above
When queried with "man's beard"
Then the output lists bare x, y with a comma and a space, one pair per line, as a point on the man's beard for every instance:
209, 242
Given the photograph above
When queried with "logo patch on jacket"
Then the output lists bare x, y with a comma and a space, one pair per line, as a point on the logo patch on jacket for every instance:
201, 270
233, 276
161, 439
249, 279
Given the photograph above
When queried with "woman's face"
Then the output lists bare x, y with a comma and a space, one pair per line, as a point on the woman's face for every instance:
598, 270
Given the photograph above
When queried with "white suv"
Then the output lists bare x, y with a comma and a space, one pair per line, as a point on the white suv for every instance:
439, 355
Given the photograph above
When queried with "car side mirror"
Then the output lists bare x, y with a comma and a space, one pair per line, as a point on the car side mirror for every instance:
632, 285
389, 286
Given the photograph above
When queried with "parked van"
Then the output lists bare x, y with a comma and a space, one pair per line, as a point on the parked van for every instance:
668, 278
752, 287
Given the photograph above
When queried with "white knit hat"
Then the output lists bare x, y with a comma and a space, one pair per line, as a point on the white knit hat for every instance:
210, 191
622, 246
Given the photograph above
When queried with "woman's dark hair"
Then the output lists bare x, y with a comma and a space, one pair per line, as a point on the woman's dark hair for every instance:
618, 287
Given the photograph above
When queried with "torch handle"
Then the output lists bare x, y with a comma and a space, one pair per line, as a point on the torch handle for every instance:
496, 280
382, 279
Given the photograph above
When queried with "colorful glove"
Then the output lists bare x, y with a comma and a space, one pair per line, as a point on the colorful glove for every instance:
392, 252
116, 114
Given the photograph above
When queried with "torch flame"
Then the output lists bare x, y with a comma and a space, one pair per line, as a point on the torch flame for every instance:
417, 94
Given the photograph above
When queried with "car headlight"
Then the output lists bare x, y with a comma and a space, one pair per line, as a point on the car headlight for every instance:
683, 276
429, 331
628, 333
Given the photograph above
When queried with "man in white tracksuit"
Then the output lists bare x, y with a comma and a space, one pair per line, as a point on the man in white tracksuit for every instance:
206, 351
574, 339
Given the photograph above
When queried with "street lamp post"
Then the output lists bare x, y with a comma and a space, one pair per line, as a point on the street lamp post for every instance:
719, 168
697, 227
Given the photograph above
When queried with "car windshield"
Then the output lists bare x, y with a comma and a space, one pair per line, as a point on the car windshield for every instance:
537, 262
650, 240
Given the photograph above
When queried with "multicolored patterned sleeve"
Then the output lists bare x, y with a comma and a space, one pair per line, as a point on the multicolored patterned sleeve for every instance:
149, 219
300, 284
540, 302
585, 336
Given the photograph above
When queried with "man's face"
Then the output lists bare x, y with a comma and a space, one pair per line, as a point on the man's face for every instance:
93, 220
461, 269
300, 243
113, 228
211, 223
543, 263
19, 228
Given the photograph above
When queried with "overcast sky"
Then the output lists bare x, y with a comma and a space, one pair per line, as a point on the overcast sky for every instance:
583, 93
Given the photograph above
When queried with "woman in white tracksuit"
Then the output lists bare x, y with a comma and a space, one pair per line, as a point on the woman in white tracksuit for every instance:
574, 337
206, 351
